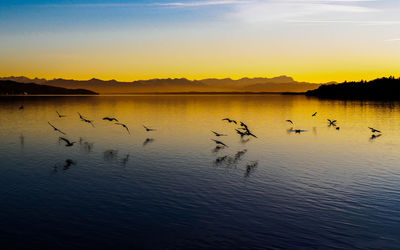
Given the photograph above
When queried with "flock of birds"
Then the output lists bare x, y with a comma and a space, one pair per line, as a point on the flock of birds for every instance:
241, 129
333, 123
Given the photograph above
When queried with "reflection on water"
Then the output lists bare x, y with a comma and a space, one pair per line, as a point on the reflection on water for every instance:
166, 184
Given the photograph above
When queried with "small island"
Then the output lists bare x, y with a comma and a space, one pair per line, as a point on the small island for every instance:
16, 88
386, 88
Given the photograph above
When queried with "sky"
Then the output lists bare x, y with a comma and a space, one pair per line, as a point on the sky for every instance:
310, 40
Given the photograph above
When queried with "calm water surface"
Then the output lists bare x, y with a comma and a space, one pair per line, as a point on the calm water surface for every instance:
321, 189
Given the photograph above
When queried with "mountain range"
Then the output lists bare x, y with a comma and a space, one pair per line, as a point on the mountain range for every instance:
168, 85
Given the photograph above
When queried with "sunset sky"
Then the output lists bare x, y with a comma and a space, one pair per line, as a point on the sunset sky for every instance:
310, 40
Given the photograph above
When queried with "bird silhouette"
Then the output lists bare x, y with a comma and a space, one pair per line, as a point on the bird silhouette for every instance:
337, 128
123, 125
332, 122
148, 129
220, 143
59, 115
56, 129
240, 132
374, 130
21, 107
230, 120
147, 141
217, 134
68, 143
290, 121
86, 120
110, 119
374, 136
314, 114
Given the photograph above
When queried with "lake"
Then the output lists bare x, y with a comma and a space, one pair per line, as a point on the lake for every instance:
173, 189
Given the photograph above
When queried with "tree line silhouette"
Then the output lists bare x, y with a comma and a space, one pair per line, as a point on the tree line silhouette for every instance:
381, 88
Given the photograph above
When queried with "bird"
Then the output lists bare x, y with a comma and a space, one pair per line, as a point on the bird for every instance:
147, 141
314, 114
240, 132
297, 131
229, 120
86, 120
220, 143
217, 134
244, 126
56, 129
374, 136
374, 130
60, 116
123, 125
110, 119
250, 134
290, 121
337, 128
21, 107
332, 123
68, 143
149, 129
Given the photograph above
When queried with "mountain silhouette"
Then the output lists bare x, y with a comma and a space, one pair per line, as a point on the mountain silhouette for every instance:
15, 88
381, 88
169, 85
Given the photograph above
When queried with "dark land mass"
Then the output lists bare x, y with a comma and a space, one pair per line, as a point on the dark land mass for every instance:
379, 89
178, 85
16, 88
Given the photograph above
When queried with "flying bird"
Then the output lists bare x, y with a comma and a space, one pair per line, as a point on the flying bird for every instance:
314, 114
60, 116
123, 125
240, 132
229, 120
147, 141
217, 134
148, 129
374, 130
110, 119
244, 125
290, 121
220, 143
86, 120
332, 123
56, 129
68, 143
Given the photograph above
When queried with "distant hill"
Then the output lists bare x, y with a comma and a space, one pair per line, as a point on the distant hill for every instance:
16, 88
381, 88
276, 84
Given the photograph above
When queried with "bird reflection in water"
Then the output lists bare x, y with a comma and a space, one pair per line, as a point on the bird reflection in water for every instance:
125, 160
250, 167
67, 165
110, 154
22, 141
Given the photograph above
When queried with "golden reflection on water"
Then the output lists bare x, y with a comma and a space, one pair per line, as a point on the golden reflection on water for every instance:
184, 121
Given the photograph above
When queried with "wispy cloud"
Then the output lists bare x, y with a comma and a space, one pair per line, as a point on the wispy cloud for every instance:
273, 10
393, 40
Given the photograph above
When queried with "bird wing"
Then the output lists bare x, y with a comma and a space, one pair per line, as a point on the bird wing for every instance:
215, 133
52, 125
66, 140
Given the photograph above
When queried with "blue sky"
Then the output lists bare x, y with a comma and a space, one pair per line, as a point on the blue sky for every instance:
277, 36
